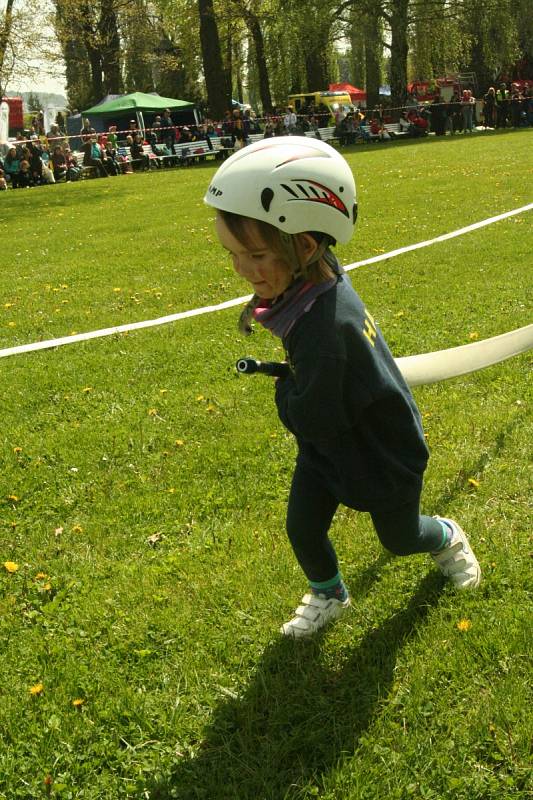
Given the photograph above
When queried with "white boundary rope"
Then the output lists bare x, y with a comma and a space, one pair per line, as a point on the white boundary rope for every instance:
134, 326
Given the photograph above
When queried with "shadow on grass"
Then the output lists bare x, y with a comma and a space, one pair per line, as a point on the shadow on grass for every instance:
299, 715
460, 485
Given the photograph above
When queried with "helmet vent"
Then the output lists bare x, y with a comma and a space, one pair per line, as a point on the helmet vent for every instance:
289, 190
267, 195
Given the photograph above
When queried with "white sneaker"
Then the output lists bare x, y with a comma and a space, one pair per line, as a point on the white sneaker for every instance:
457, 561
314, 612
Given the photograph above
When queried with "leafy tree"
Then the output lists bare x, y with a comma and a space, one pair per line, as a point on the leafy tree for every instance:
91, 30
254, 14
24, 42
33, 103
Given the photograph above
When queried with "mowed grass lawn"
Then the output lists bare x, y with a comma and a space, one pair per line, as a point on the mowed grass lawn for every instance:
144, 569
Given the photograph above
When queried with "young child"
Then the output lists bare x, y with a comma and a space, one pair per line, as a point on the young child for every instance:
282, 203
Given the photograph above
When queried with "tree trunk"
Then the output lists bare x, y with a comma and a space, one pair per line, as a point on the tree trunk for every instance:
212, 60
399, 49
110, 39
259, 45
358, 48
5, 32
373, 48
95, 63
316, 70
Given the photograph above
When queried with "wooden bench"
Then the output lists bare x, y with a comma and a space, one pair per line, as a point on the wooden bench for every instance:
187, 152
85, 170
219, 149
394, 129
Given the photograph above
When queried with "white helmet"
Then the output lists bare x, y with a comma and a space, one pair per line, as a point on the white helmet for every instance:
295, 183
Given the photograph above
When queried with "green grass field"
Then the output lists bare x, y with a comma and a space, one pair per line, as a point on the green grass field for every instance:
144, 569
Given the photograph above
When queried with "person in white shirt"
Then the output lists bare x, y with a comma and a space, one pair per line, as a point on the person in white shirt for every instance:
290, 119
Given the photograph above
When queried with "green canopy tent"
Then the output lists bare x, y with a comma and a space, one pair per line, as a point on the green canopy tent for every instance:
137, 103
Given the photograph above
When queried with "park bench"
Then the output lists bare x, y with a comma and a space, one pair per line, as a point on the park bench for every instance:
255, 137
394, 129
85, 170
218, 146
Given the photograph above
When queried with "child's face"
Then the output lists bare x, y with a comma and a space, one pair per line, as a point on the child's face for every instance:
264, 270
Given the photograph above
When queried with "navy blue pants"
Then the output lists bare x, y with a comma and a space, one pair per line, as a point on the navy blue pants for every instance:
310, 513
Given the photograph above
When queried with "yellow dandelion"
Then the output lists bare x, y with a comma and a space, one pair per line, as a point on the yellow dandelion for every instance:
464, 625
11, 324
117, 289
41, 576
171, 490
474, 483
78, 702
210, 408
179, 442
10, 566
77, 529
17, 449
87, 389
163, 391
13, 497
37, 689
47, 587
200, 398
473, 336
8, 305
152, 412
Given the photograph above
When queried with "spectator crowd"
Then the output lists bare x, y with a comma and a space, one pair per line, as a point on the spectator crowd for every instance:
45, 157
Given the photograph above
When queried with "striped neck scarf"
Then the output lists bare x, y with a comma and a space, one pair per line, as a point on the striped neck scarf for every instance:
280, 316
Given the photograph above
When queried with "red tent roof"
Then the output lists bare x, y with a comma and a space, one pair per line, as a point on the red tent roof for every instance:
353, 91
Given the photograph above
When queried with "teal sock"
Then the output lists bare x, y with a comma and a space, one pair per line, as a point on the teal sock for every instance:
447, 534
335, 588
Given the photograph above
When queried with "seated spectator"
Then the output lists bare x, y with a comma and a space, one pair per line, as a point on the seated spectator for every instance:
378, 131
73, 168
156, 129
403, 122
138, 156
3, 182
12, 167
360, 129
59, 163
109, 157
92, 157
24, 177
269, 129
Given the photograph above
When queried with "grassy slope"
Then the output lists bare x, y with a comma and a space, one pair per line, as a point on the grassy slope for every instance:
187, 688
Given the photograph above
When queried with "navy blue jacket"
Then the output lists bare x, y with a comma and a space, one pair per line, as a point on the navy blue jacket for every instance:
354, 418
